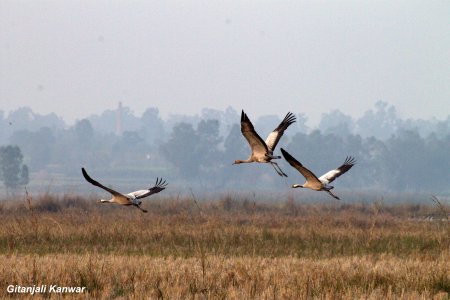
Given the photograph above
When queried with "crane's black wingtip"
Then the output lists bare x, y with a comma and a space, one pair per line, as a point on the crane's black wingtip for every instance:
286, 155
290, 159
85, 174
290, 118
161, 183
350, 160
87, 177
243, 116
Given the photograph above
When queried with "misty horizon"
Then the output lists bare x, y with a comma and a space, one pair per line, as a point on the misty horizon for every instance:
310, 122
123, 148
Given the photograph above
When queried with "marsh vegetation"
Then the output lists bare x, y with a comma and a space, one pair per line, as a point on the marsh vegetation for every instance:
234, 248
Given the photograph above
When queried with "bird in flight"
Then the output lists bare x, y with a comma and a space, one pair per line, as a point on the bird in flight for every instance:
132, 198
262, 151
321, 183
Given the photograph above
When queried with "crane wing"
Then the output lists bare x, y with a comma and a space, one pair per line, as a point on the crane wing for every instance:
159, 186
277, 133
309, 176
258, 146
96, 183
333, 174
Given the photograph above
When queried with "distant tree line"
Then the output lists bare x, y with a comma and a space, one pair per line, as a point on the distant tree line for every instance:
392, 153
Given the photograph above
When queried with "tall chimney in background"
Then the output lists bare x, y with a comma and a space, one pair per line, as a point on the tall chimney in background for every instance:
119, 127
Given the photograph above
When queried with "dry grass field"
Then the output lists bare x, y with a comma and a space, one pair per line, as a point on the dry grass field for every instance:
225, 249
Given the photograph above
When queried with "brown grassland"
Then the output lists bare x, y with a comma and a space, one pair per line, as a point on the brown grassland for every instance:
225, 249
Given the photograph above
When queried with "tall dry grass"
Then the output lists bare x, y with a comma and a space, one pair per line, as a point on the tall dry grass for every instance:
226, 248
110, 276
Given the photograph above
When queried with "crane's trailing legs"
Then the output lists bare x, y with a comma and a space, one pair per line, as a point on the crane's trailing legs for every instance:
278, 169
143, 210
332, 195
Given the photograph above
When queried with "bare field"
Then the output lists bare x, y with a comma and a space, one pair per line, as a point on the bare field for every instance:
226, 249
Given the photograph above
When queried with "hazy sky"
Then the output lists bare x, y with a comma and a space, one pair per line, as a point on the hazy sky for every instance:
76, 58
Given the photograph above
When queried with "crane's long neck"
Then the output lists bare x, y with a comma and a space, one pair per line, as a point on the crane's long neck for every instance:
297, 186
106, 201
239, 161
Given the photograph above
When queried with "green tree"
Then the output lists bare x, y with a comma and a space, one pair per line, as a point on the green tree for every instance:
84, 133
337, 123
129, 150
408, 161
381, 123
209, 140
194, 151
12, 171
180, 150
